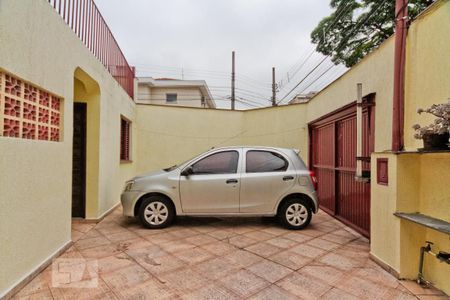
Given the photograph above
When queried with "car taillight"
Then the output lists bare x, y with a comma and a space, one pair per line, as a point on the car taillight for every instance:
313, 179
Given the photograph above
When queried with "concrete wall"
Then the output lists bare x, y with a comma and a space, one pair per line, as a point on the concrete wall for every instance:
36, 180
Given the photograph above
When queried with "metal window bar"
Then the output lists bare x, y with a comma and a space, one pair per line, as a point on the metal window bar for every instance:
85, 19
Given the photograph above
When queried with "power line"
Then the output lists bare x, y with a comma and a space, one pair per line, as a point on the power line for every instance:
338, 16
357, 26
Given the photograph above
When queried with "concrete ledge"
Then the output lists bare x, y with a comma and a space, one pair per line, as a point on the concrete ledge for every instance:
427, 221
29, 277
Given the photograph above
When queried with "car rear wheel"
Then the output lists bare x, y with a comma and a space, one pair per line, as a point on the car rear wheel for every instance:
156, 212
295, 214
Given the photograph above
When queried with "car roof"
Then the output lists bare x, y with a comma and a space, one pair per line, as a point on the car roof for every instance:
255, 147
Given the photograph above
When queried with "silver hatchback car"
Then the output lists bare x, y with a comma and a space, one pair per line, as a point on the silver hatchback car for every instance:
231, 181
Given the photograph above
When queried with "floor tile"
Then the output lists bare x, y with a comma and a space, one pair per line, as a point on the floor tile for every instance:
339, 239
219, 248
221, 234
259, 235
176, 245
273, 292
122, 236
363, 288
201, 239
241, 241
290, 259
149, 289
183, 280
263, 249
126, 277
160, 264
323, 244
336, 293
244, 283
377, 275
215, 268
304, 286
193, 256
327, 274
416, 289
308, 251
91, 243
213, 291
282, 242
242, 258
100, 251
269, 270
115, 262
340, 262
298, 236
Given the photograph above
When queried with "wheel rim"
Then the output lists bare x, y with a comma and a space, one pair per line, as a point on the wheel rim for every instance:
156, 213
296, 214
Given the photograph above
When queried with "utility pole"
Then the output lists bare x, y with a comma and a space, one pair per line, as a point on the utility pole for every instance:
274, 88
233, 99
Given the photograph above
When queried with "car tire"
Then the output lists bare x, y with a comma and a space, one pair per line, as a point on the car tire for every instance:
295, 214
156, 212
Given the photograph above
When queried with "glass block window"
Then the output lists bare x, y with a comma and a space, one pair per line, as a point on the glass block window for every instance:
27, 111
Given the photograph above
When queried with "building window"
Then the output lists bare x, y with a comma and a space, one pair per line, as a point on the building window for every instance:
27, 111
171, 98
125, 137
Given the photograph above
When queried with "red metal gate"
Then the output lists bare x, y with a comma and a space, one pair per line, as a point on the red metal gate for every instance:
333, 158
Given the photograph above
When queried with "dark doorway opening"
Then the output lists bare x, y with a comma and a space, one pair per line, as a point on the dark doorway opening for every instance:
79, 161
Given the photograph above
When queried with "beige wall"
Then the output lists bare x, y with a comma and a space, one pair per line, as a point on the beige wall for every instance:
168, 135
35, 185
186, 96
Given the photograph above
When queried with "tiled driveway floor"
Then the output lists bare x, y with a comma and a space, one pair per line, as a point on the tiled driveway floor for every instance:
211, 258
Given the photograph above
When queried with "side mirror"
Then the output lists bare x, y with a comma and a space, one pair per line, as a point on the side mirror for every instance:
188, 171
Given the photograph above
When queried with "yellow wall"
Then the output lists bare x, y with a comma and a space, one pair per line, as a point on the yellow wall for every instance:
427, 68
36, 180
417, 183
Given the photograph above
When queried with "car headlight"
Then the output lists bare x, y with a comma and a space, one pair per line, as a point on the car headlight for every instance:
129, 185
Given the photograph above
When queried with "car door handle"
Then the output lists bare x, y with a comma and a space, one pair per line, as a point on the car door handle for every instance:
229, 181
286, 178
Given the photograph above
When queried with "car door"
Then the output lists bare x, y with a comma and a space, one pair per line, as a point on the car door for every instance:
213, 186
267, 175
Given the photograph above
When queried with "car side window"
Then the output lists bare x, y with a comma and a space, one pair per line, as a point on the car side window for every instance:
265, 161
225, 162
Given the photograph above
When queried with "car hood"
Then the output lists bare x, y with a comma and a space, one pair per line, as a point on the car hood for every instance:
155, 173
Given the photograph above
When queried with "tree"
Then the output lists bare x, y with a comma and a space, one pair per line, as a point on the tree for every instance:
356, 27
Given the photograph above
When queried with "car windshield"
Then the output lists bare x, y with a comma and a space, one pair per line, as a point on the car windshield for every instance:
169, 169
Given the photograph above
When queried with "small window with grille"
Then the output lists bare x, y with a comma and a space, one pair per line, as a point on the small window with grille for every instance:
125, 137
171, 98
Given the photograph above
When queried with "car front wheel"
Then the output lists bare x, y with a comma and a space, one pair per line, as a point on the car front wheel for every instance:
156, 212
295, 214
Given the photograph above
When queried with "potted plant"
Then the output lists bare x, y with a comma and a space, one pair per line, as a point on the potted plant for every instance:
435, 136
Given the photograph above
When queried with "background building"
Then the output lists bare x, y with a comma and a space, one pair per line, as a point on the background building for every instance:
167, 91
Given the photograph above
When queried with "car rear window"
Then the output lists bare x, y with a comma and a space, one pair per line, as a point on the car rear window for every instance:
265, 161
225, 162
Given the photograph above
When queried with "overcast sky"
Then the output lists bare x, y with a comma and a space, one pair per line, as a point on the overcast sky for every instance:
194, 39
